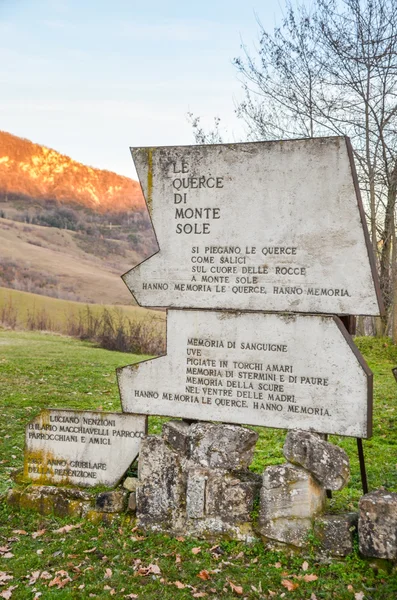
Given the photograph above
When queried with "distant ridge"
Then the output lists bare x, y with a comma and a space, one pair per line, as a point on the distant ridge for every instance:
35, 171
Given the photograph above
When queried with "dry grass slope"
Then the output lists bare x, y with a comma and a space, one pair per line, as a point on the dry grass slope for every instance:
52, 261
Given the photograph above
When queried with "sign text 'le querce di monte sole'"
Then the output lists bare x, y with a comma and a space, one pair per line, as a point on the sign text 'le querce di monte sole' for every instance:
273, 226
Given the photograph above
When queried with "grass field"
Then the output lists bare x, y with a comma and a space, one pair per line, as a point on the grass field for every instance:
45, 370
60, 312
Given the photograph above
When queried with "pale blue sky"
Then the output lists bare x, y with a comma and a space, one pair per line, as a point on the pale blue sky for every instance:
90, 78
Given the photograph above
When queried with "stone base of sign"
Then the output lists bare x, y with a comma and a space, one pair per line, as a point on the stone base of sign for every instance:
71, 502
195, 481
335, 533
328, 463
290, 499
377, 525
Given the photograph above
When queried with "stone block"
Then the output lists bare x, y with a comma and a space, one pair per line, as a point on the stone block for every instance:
335, 533
228, 447
101, 518
33, 499
377, 524
132, 502
14, 497
290, 498
176, 433
161, 494
63, 502
130, 484
328, 463
231, 495
114, 501
195, 493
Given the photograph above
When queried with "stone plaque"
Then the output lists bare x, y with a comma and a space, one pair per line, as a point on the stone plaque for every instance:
85, 448
275, 226
286, 371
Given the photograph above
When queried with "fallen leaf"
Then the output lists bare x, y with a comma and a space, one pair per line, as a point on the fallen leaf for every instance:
350, 588
4, 577
239, 555
54, 581
204, 575
236, 588
179, 585
313, 597
45, 575
199, 595
62, 573
20, 532
178, 558
311, 577
81, 587
37, 534
37, 595
290, 585
196, 550
4, 549
151, 569
34, 577
112, 592
64, 582
180, 538
359, 596
90, 550
7, 555
155, 569
107, 587
278, 565
131, 596
8, 592
305, 566
271, 593
67, 528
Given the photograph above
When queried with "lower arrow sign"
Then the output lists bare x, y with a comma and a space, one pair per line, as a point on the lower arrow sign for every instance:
271, 370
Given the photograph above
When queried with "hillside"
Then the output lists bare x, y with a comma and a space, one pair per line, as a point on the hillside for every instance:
64, 264
67, 230
34, 171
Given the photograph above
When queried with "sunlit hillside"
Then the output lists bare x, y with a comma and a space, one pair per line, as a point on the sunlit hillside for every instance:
31, 170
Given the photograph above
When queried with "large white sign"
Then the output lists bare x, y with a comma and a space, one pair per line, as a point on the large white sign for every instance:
287, 371
86, 448
275, 226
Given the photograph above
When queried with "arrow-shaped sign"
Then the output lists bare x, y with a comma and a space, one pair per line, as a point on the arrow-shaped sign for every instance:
274, 226
287, 371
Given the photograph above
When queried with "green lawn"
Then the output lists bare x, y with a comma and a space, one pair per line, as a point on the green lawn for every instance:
45, 370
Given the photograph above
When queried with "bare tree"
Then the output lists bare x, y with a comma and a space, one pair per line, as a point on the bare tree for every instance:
333, 71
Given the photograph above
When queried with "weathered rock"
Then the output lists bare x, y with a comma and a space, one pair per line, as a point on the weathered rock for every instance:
131, 483
113, 501
377, 524
228, 447
232, 495
98, 517
162, 488
290, 499
196, 493
132, 502
46, 500
176, 433
14, 497
335, 533
328, 463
